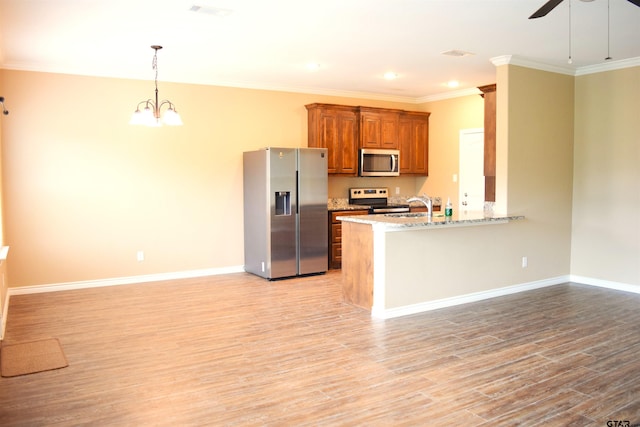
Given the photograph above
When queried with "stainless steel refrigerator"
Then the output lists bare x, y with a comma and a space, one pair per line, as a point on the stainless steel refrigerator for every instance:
285, 212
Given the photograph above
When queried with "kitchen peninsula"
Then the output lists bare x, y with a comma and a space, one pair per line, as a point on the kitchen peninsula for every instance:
399, 264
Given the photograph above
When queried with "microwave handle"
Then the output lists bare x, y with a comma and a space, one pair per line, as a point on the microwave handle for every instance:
393, 163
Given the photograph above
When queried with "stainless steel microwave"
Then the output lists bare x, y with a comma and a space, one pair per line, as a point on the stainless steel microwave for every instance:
376, 162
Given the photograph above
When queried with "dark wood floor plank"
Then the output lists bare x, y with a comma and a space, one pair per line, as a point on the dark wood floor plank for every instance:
239, 350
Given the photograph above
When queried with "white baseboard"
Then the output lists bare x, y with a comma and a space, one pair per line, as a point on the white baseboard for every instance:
465, 299
5, 314
123, 280
605, 284
479, 296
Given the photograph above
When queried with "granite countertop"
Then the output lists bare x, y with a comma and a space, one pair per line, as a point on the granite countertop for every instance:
339, 204
343, 205
398, 222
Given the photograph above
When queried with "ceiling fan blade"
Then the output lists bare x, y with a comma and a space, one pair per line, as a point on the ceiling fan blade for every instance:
636, 2
549, 6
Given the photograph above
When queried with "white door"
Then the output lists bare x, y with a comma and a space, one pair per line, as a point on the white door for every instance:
471, 173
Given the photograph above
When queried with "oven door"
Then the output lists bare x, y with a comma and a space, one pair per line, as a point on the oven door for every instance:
373, 162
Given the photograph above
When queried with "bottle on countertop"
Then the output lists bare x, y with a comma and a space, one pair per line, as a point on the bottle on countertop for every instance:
448, 209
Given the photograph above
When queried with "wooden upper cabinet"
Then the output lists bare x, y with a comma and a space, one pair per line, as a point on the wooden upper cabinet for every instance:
335, 127
489, 95
413, 136
379, 128
343, 129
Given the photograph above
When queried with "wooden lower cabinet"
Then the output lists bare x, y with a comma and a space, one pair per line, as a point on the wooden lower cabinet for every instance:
335, 236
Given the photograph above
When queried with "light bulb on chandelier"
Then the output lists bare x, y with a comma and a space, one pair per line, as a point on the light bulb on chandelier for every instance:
150, 115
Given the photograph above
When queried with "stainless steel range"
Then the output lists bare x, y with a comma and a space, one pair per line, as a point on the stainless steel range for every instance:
377, 199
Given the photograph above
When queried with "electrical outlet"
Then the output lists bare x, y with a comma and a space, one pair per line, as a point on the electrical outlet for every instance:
455, 177
525, 262
140, 255
397, 190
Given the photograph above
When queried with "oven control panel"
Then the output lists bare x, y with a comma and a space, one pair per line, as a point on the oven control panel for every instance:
368, 193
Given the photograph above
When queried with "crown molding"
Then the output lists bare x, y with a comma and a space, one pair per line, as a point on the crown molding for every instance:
579, 71
496, 61
527, 63
234, 84
608, 66
448, 95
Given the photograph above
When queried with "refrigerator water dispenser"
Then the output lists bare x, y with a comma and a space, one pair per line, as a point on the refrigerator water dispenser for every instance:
283, 203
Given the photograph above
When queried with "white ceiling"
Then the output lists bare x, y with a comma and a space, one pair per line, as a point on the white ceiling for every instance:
268, 44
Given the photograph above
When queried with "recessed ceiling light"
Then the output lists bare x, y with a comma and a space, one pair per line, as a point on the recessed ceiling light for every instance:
390, 75
453, 84
313, 66
457, 53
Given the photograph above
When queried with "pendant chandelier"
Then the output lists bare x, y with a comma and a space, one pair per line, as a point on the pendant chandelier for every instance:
151, 114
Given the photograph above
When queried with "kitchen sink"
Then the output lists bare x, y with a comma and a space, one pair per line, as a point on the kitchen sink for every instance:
412, 215
406, 215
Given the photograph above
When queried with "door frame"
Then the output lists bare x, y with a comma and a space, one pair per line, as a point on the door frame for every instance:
462, 134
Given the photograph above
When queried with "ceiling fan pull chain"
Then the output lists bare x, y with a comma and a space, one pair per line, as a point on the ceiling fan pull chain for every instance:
608, 31
570, 59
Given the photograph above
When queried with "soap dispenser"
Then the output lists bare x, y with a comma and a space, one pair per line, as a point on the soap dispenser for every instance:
448, 209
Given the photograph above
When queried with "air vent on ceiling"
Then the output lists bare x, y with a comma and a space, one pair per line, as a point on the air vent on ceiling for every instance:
207, 10
457, 53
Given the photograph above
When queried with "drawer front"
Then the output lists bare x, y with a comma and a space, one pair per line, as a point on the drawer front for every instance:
336, 214
335, 236
336, 252
336, 233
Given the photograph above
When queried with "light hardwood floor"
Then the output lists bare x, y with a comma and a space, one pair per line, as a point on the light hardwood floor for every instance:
239, 350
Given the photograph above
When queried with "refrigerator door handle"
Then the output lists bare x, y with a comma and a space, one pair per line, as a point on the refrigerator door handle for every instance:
297, 201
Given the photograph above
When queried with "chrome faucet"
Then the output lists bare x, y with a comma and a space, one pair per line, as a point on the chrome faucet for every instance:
424, 199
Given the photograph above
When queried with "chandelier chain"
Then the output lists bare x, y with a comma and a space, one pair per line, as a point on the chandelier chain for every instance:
154, 65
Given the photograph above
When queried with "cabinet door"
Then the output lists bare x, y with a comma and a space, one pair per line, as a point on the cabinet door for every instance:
347, 143
370, 130
389, 130
379, 129
413, 135
420, 128
335, 127
328, 131
489, 94
405, 140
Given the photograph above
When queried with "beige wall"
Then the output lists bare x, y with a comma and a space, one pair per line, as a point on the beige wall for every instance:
448, 117
85, 191
537, 160
606, 191
407, 186
3, 264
